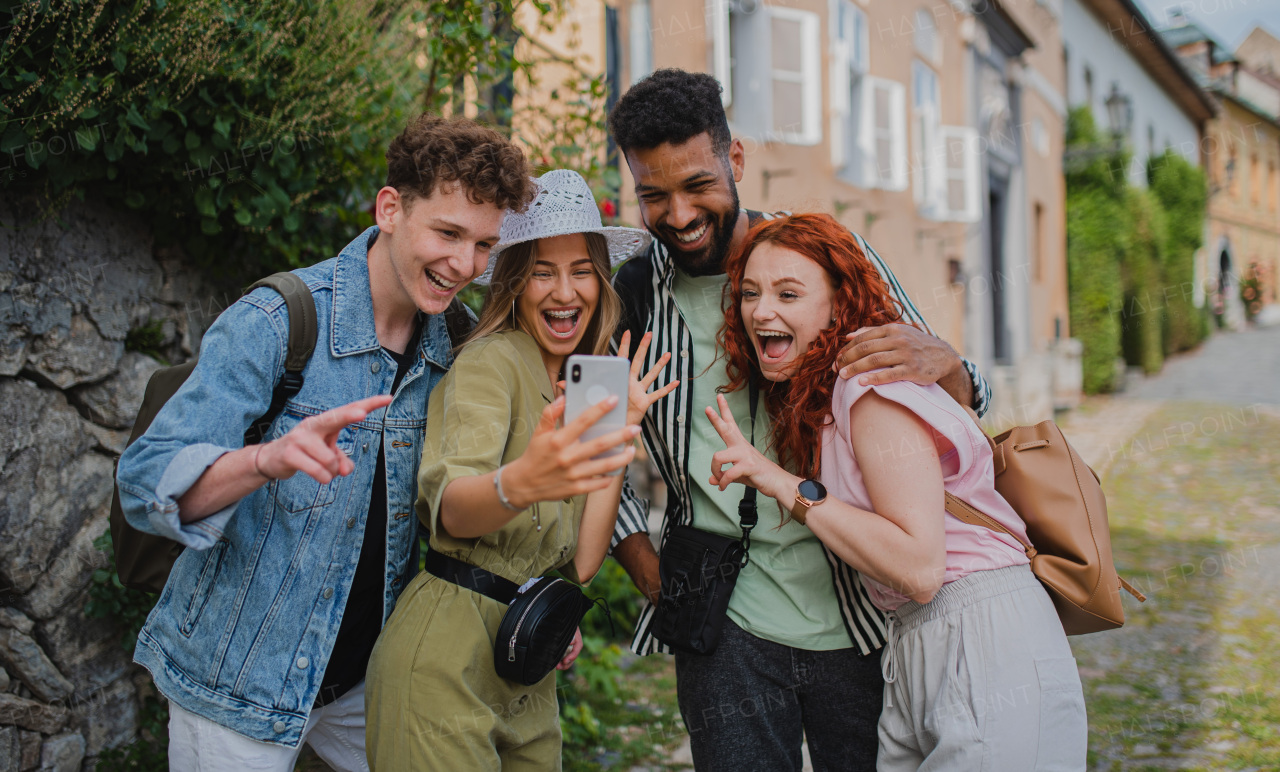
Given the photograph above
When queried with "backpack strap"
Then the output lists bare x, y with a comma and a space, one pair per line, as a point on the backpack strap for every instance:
303, 330
634, 285
458, 321
966, 513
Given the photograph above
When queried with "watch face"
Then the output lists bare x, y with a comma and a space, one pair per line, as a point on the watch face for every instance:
812, 490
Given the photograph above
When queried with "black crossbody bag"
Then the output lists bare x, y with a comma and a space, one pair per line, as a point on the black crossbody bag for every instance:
699, 571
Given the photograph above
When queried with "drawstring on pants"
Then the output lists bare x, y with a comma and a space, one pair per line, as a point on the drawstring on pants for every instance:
889, 662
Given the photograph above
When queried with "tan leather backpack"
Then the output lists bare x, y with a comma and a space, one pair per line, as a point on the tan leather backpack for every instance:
1060, 499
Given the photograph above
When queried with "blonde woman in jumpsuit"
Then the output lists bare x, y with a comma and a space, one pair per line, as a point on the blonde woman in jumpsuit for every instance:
433, 699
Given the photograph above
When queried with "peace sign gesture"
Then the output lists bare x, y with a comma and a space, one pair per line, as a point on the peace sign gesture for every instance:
747, 465
640, 399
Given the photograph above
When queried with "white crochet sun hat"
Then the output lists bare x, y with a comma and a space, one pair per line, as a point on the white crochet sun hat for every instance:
564, 205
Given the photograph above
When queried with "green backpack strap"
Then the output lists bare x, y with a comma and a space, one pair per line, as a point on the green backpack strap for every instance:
303, 329
302, 317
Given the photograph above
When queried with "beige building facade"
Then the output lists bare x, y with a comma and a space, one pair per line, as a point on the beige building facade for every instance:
1242, 157
934, 129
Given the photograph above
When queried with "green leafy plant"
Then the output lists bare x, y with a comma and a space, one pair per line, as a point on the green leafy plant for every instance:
147, 753
147, 339
110, 599
1142, 318
1180, 186
1130, 255
1096, 238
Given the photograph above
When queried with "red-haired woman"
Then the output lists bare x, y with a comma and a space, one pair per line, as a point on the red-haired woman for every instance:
979, 675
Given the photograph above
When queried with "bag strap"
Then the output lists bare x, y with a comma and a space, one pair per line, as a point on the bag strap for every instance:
303, 329
458, 322
748, 516
967, 513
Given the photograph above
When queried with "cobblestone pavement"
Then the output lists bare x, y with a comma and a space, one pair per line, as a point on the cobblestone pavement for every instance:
1241, 368
1190, 460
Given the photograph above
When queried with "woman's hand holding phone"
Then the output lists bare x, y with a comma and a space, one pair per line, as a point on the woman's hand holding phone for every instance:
558, 464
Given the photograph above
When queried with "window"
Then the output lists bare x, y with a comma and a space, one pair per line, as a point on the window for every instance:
868, 115
641, 39
945, 159
926, 120
1088, 88
1271, 186
1255, 182
852, 148
928, 41
774, 75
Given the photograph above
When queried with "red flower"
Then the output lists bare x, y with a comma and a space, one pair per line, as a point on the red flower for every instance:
608, 208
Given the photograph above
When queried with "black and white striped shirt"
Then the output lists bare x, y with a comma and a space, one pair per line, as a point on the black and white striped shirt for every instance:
666, 431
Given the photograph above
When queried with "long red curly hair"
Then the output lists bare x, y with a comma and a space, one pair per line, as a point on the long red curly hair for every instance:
801, 406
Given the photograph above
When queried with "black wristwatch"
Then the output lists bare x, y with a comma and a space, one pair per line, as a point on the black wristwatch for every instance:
809, 493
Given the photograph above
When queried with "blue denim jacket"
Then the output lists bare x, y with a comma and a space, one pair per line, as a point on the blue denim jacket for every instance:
242, 633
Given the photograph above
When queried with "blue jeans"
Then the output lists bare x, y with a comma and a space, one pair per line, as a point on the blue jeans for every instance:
748, 705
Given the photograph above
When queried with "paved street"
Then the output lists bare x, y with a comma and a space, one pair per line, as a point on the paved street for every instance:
1240, 368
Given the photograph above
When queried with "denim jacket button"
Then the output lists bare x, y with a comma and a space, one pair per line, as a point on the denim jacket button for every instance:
351, 522
303, 662
279, 727
328, 593
375, 367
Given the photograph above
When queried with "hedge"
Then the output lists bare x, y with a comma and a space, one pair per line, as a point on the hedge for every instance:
1180, 187
1130, 255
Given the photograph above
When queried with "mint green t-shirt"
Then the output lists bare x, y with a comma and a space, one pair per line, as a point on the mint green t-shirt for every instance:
785, 594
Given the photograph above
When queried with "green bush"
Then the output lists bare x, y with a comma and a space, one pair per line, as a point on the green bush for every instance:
1093, 274
1142, 318
249, 133
1130, 255
1097, 239
1181, 190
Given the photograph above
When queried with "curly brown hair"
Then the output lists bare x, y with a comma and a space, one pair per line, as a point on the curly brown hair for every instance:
433, 151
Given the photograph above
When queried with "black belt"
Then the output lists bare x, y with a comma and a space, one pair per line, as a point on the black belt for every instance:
471, 577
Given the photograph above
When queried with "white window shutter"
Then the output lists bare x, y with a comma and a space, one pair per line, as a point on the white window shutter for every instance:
888, 136
641, 39
867, 172
721, 52
963, 191
748, 27
795, 75
929, 165
898, 131
841, 83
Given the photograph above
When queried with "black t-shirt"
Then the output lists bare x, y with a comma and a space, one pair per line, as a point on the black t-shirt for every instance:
362, 618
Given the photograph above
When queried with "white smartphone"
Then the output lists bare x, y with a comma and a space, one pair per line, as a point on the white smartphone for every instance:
590, 379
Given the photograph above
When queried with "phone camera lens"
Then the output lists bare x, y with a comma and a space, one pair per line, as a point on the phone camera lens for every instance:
577, 373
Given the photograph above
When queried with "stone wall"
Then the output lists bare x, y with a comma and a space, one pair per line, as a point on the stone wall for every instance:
72, 289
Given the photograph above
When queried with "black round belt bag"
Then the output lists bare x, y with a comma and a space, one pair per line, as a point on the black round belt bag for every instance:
537, 628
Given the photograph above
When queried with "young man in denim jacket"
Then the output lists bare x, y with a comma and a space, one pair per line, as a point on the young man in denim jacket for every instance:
297, 548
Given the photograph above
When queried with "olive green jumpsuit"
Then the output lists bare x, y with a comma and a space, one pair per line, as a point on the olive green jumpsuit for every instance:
433, 699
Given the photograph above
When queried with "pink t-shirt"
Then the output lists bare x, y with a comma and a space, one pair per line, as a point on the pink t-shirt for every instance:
967, 468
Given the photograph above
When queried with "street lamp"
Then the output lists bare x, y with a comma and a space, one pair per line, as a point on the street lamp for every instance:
1119, 111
